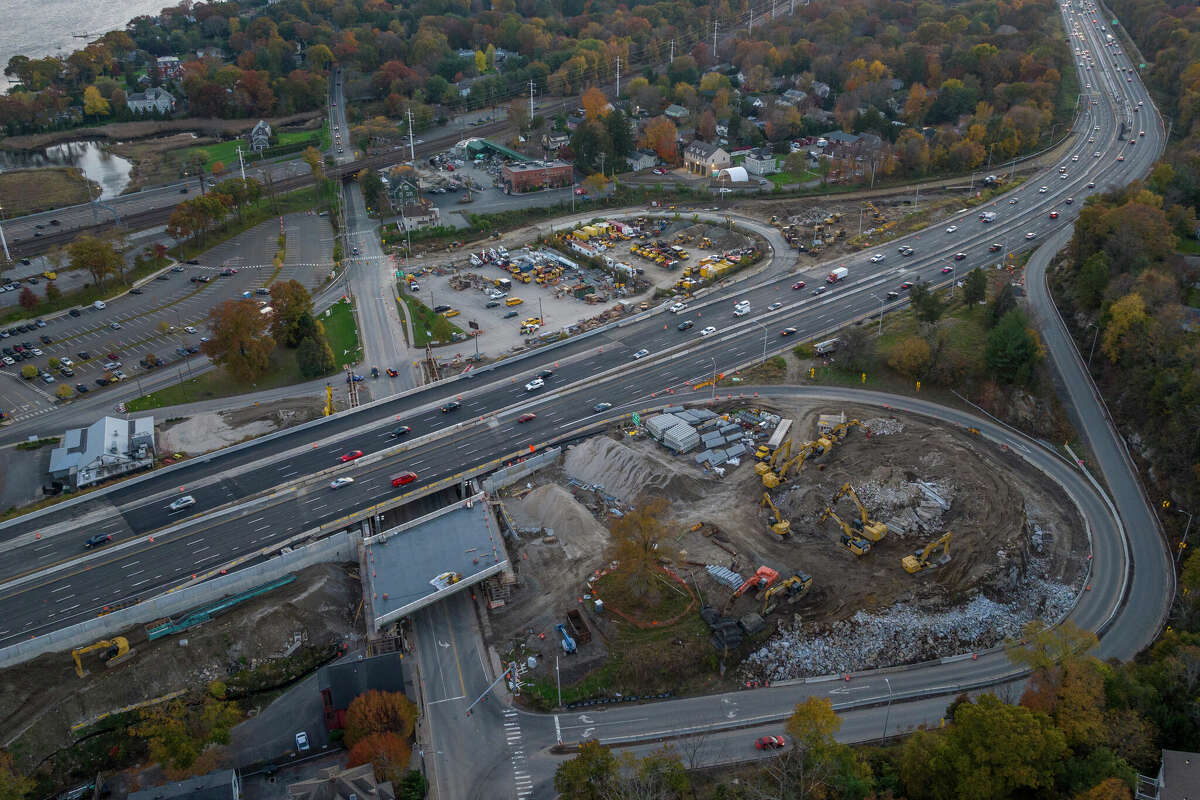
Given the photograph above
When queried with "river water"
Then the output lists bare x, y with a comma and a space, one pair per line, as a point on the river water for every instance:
38, 28
106, 169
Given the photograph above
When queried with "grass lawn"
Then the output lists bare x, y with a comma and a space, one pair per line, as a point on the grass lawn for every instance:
787, 178
428, 327
341, 330
28, 191
218, 383
226, 152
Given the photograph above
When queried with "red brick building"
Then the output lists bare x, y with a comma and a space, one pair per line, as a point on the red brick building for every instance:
536, 175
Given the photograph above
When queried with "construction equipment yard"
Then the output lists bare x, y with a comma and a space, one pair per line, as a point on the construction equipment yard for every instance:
827, 584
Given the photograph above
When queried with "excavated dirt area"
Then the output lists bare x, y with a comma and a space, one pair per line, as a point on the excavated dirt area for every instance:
212, 430
1018, 548
41, 700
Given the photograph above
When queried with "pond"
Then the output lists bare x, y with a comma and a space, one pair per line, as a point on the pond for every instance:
110, 171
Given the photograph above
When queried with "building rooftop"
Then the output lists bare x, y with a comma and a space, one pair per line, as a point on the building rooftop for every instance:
220, 785
347, 680
532, 166
1180, 776
334, 783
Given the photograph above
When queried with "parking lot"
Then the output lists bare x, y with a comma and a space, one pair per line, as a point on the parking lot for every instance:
128, 327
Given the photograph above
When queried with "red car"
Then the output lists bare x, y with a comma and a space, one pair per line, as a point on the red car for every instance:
403, 478
353, 454
947, 269
527, 418
1053, 215
799, 285
770, 743
906, 285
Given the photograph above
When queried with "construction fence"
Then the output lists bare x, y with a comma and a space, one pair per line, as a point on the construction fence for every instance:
337, 548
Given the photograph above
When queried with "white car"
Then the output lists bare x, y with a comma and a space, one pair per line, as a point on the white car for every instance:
709, 331
66, 362
641, 353
8, 361
951, 228
677, 307
1074, 158
774, 306
1096, 154
875, 259
182, 502
338, 483
1031, 235
37, 351
302, 742
1043, 190
1063, 176
534, 385
189, 329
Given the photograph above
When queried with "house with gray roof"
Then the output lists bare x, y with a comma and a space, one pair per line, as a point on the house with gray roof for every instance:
108, 447
153, 100
220, 785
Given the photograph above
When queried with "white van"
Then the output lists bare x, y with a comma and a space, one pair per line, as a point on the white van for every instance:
99, 305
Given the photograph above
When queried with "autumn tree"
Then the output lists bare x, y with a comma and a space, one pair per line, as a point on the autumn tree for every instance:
816, 765
1107, 789
1043, 646
660, 775
289, 301
925, 303
177, 733
13, 785
52, 292
95, 255
94, 104
910, 356
594, 103
588, 775
372, 188
316, 163
1126, 325
379, 712
661, 135
388, 753
594, 184
239, 339
64, 392
27, 298
634, 541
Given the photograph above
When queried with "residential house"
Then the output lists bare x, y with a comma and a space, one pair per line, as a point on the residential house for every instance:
722, 130
211, 52
105, 449
676, 113
464, 86
702, 158
575, 119
641, 160
260, 136
343, 681
554, 140
153, 100
419, 215
792, 97
820, 89
334, 783
169, 68
220, 785
761, 162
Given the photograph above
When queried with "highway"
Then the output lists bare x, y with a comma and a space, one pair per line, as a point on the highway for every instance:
38, 568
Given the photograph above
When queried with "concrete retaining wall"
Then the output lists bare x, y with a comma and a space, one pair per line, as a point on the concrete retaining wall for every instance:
503, 477
340, 547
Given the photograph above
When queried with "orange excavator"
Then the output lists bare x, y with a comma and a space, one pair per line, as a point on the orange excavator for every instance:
764, 578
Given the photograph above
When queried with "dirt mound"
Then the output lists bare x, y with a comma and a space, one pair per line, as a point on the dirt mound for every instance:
626, 473
554, 508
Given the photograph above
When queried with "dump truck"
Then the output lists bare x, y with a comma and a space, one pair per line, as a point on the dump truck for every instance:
838, 274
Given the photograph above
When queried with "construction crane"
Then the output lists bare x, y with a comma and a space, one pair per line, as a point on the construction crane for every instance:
764, 578
787, 591
781, 526
850, 539
115, 650
869, 528
919, 560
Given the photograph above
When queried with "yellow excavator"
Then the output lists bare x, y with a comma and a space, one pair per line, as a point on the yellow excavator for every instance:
781, 526
850, 540
870, 529
115, 650
840, 431
767, 459
919, 560
787, 591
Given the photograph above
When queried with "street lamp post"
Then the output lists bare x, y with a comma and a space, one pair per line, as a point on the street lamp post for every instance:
4, 241
880, 299
1093, 347
714, 381
888, 713
1187, 528
764, 330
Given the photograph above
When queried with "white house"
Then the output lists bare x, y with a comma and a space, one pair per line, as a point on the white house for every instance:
108, 447
260, 136
154, 99
641, 160
761, 161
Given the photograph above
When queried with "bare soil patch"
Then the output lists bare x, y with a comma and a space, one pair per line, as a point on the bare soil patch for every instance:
211, 430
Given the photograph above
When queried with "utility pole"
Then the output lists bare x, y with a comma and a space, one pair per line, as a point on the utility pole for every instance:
792, 9
672, 51
531, 98
773, 9
618, 77
602, 155
750, 29
412, 155
241, 164
715, 59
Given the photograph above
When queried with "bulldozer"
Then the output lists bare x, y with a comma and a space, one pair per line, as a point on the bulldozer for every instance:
870, 529
788, 591
919, 560
764, 578
850, 539
781, 527
116, 650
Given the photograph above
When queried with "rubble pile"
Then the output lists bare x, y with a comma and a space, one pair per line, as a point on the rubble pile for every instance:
910, 508
883, 426
901, 634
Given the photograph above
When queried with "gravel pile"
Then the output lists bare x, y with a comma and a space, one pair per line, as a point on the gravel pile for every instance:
883, 426
901, 635
914, 509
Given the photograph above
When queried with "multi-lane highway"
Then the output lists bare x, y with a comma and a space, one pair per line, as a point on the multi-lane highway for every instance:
48, 566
